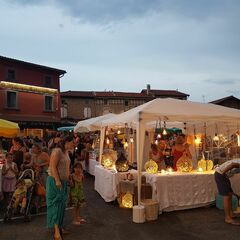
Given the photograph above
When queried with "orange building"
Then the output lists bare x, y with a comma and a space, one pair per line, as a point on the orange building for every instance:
30, 94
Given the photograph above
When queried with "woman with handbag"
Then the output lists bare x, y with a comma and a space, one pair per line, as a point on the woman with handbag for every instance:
56, 187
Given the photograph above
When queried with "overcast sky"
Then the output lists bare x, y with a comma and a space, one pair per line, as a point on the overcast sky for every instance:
122, 45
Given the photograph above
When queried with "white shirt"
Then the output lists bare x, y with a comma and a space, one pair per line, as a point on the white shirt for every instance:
220, 169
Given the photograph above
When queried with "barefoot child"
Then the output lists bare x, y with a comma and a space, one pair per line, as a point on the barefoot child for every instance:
76, 192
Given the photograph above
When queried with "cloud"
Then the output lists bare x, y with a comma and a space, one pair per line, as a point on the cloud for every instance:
233, 92
222, 81
105, 11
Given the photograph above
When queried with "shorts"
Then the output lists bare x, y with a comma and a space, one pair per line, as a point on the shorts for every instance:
223, 184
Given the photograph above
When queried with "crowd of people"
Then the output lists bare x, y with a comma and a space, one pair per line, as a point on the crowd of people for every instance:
58, 175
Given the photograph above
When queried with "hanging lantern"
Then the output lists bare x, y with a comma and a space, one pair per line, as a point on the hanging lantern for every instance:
151, 166
127, 200
122, 164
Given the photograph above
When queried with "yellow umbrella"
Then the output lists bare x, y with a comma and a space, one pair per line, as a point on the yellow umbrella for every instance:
8, 129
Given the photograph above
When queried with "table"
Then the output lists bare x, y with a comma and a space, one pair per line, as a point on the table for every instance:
177, 191
107, 181
91, 166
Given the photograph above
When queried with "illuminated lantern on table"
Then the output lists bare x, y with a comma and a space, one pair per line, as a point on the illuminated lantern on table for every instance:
202, 164
151, 166
108, 159
205, 165
209, 165
127, 200
184, 164
122, 164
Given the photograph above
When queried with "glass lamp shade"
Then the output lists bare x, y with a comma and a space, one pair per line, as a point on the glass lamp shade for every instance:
122, 164
206, 165
151, 166
202, 164
209, 165
184, 164
127, 200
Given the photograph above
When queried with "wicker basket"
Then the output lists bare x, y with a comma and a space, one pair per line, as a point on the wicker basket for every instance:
151, 209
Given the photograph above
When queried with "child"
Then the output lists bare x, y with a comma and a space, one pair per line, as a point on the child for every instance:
20, 196
76, 192
9, 172
222, 175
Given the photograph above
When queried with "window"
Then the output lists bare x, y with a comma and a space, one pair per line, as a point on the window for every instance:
126, 103
105, 101
64, 109
48, 81
48, 103
87, 112
11, 75
11, 99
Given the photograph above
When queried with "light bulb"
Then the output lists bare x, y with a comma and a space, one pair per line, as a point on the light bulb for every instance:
118, 132
159, 135
131, 140
164, 132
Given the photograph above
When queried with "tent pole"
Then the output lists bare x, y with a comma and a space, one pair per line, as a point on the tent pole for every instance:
102, 136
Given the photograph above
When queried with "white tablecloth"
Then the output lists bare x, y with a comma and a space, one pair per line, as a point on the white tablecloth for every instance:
106, 182
176, 191
91, 166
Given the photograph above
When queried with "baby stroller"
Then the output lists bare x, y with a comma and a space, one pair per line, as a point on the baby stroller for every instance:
27, 182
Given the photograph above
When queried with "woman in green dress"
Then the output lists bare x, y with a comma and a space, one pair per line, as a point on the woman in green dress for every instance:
56, 186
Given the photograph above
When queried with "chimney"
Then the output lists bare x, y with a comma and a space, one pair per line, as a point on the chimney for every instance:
148, 89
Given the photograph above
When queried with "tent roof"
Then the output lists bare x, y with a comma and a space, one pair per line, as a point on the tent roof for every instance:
169, 109
92, 124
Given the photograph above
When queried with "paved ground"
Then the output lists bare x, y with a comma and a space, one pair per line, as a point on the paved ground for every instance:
105, 221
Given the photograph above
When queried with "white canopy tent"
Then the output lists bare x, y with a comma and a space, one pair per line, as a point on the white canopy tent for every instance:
171, 110
94, 124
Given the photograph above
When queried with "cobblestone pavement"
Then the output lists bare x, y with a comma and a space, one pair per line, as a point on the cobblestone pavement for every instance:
106, 221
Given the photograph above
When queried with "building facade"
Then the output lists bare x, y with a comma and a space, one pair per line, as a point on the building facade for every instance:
229, 101
79, 105
30, 93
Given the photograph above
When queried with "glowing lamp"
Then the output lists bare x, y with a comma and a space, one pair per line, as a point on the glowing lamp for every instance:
122, 164
131, 140
200, 169
127, 200
216, 138
159, 135
151, 166
118, 132
197, 141
169, 169
108, 141
164, 132
184, 164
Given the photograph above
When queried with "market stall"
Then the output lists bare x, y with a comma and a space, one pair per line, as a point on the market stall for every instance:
176, 191
192, 115
91, 125
107, 182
